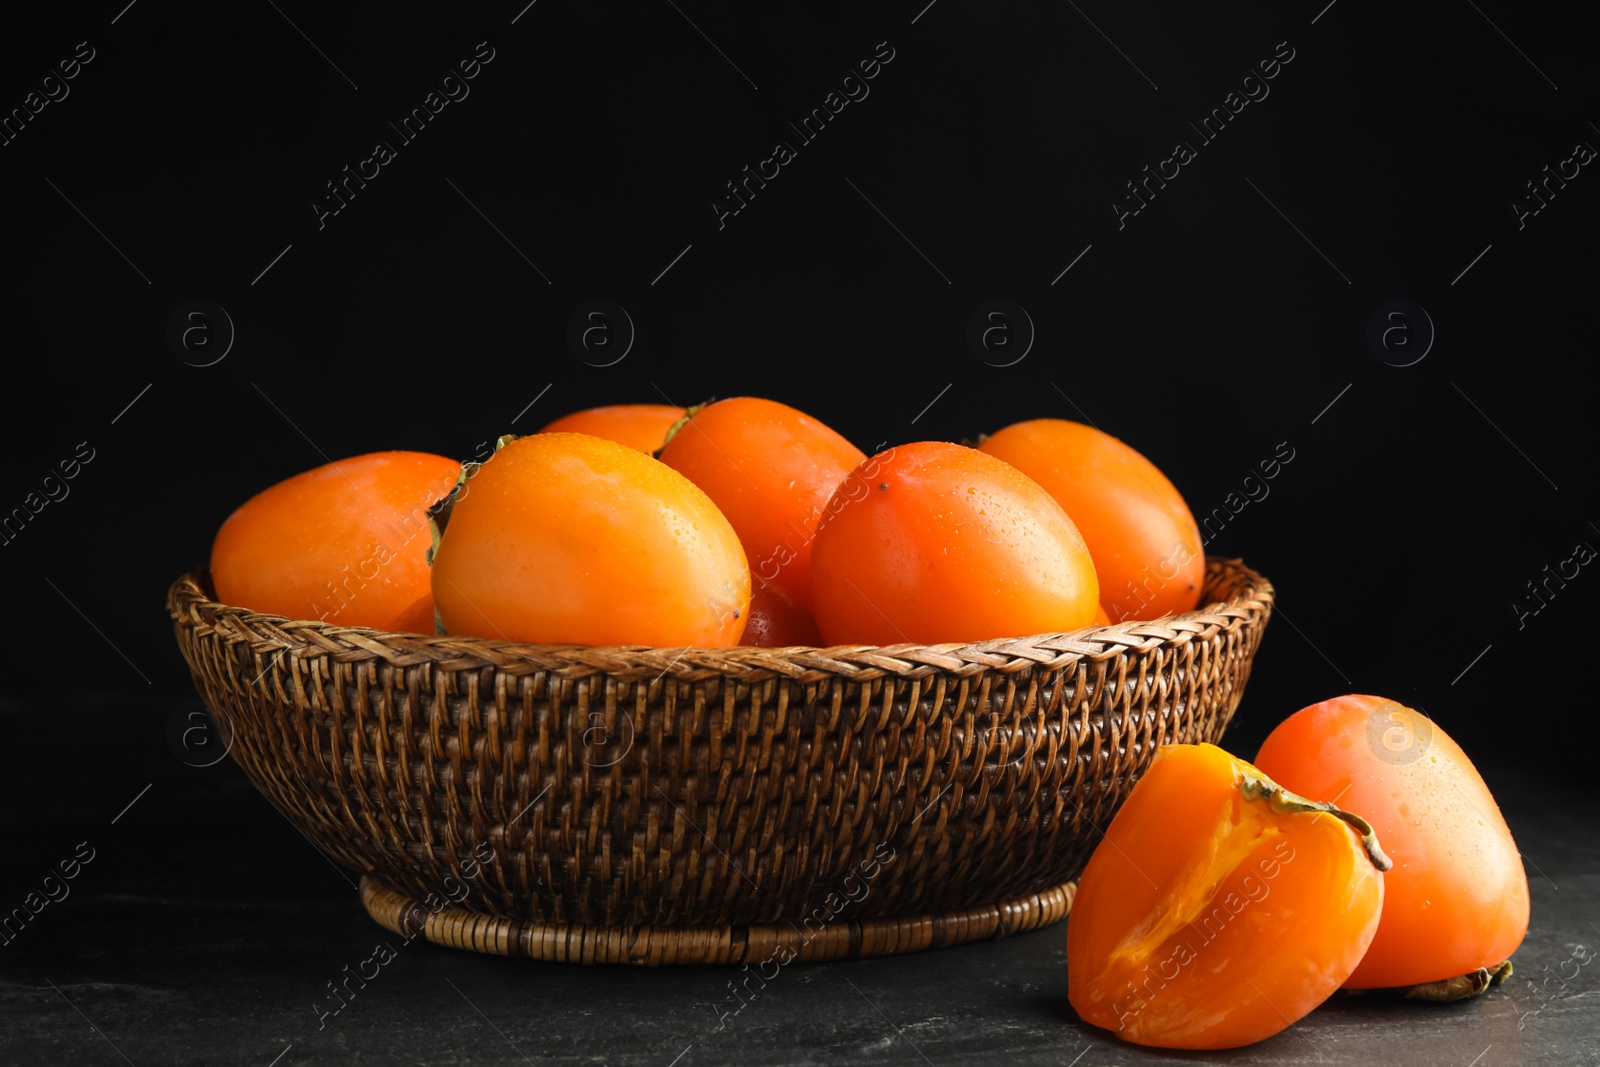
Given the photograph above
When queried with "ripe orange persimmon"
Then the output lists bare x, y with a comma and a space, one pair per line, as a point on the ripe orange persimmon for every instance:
640, 426
345, 543
1218, 909
934, 542
770, 469
1144, 541
565, 538
1457, 899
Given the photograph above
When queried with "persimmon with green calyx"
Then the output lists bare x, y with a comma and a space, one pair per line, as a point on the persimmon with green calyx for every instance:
1457, 900
933, 542
344, 543
1219, 908
771, 469
1146, 546
640, 426
567, 538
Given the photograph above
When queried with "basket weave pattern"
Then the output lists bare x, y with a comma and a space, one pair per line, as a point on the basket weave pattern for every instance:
681, 789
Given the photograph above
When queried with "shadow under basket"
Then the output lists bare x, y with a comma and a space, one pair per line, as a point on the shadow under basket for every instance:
659, 805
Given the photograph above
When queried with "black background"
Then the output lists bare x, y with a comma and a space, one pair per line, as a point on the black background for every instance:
1205, 331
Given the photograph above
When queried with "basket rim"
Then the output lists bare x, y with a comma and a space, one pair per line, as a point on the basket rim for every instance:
190, 603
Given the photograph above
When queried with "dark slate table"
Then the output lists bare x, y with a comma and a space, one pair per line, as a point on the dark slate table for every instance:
204, 929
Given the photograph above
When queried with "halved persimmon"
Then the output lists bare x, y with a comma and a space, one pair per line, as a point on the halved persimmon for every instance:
1219, 908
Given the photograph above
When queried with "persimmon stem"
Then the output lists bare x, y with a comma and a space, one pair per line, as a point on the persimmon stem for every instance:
1283, 802
439, 514
1462, 987
683, 420
439, 510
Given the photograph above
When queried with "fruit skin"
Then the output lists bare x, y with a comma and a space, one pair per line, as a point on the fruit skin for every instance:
566, 538
771, 470
640, 426
1207, 918
934, 542
345, 543
1144, 540
1457, 898
777, 620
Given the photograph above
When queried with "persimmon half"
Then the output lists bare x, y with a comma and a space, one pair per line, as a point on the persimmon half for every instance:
345, 543
640, 426
1218, 908
566, 538
1144, 540
933, 542
1457, 899
771, 469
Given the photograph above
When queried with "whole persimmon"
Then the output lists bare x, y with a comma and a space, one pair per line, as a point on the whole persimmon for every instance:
1145, 543
1458, 896
933, 542
640, 426
345, 543
778, 620
1218, 909
770, 469
567, 538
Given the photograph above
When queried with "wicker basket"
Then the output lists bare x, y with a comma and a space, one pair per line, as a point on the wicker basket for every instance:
647, 805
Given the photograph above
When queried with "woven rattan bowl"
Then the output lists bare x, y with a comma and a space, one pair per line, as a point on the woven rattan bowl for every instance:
649, 805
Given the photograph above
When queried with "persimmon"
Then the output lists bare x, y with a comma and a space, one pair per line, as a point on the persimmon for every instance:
1457, 899
770, 469
345, 543
1219, 908
1140, 532
567, 538
640, 426
933, 542
778, 620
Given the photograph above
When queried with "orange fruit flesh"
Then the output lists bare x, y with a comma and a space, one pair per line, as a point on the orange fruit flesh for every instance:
1209, 920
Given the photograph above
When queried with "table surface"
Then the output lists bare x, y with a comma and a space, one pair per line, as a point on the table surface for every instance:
206, 930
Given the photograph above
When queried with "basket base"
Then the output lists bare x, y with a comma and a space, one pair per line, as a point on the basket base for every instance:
652, 946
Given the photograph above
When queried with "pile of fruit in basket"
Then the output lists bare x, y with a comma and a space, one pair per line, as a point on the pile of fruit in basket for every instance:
739, 521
